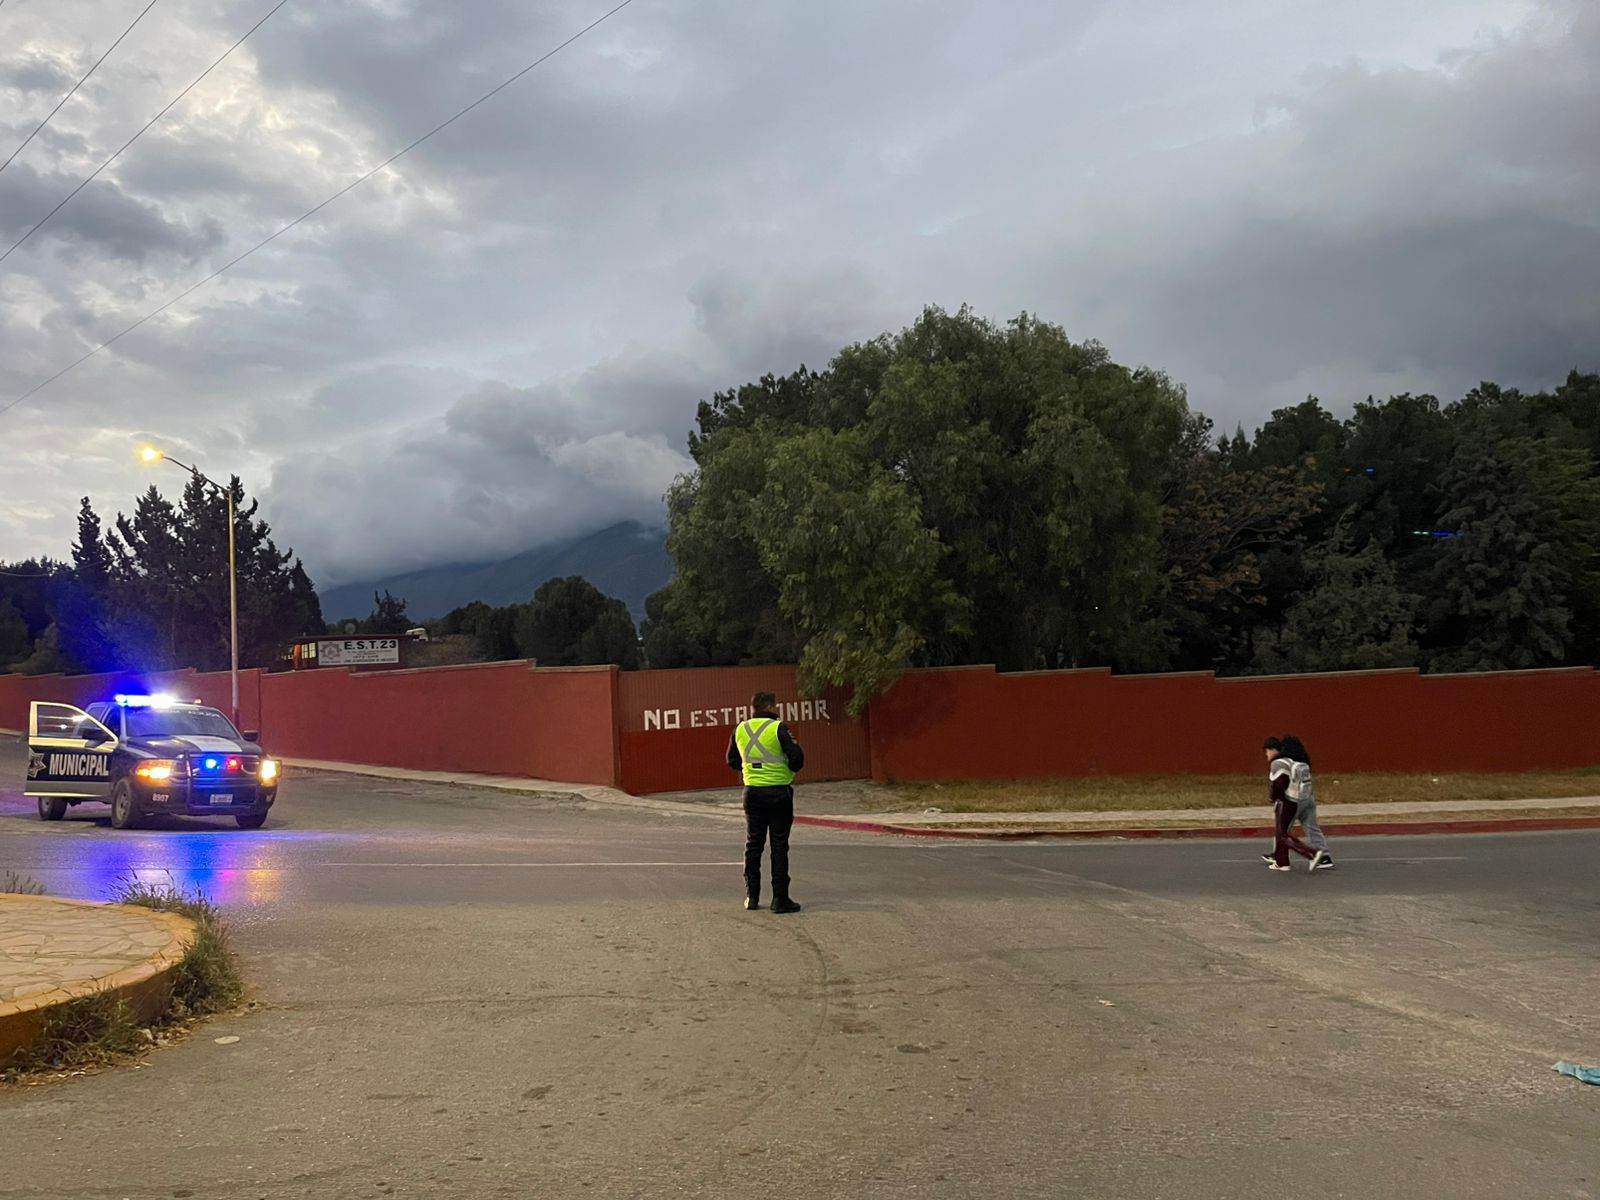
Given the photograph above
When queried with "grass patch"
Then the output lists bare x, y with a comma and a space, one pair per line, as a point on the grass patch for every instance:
20, 885
101, 1029
1155, 792
91, 1031
208, 979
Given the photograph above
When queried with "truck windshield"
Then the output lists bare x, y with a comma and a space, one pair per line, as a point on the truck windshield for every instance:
179, 722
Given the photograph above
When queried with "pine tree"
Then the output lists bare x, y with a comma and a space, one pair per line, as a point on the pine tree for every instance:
80, 604
388, 617
1354, 617
1501, 581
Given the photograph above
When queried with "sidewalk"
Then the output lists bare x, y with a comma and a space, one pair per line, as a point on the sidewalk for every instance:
53, 951
1345, 820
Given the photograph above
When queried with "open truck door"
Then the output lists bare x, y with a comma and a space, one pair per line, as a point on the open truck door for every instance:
69, 755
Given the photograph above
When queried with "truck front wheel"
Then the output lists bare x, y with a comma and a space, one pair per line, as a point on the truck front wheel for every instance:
124, 813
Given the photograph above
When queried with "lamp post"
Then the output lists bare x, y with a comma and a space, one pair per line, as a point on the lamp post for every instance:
152, 455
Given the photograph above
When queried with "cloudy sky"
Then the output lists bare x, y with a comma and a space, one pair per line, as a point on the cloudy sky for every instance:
501, 338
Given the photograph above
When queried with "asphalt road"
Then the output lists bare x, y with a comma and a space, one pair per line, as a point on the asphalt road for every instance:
477, 995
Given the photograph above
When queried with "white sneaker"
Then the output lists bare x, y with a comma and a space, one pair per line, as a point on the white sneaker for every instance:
1318, 859
1273, 866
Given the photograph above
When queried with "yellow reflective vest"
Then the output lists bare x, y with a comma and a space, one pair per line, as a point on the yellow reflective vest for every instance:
763, 762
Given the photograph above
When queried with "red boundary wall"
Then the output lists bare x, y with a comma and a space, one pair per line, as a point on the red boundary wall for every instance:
495, 718
653, 731
972, 723
674, 727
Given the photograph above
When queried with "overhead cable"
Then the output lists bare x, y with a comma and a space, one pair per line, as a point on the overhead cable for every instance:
67, 199
311, 212
82, 80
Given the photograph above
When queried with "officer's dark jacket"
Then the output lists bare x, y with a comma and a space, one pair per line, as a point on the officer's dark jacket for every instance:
791, 748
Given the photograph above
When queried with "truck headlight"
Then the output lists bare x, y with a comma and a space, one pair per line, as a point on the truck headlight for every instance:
157, 770
269, 770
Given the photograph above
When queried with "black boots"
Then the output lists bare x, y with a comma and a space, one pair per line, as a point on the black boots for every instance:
780, 904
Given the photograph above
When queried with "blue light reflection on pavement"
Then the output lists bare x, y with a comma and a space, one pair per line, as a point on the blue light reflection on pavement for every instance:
223, 867
83, 858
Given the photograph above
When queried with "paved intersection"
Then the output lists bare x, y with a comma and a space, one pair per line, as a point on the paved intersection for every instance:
479, 995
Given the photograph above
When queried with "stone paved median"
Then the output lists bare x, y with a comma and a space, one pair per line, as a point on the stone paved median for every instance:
53, 951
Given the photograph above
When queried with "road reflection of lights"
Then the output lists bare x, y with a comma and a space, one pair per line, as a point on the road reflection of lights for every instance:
226, 868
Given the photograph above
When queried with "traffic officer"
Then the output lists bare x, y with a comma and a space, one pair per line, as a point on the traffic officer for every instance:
767, 755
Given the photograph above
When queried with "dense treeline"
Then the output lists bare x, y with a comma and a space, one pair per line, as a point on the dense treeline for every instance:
965, 492
152, 591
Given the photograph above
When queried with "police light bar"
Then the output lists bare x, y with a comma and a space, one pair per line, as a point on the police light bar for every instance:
157, 700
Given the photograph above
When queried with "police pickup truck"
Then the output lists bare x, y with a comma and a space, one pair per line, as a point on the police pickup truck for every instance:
144, 755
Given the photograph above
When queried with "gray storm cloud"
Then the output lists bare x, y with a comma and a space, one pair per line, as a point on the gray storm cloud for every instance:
502, 338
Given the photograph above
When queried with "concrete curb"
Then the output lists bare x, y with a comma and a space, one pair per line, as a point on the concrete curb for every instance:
1351, 829
145, 986
600, 794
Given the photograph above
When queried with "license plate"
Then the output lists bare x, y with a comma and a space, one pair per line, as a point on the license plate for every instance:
222, 797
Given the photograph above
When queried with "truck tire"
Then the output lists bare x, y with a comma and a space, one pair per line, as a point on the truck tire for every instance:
250, 820
124, 813
52, 808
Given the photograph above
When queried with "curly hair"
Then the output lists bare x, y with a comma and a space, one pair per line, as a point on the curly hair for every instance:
1294, 748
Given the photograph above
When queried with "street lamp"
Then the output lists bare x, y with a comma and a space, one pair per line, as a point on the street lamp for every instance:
152, 455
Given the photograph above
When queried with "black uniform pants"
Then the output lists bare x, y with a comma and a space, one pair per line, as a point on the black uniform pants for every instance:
768, 814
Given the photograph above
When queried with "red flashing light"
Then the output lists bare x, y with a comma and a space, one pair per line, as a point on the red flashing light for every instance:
233, 764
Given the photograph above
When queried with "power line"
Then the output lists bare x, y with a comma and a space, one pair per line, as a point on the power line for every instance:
311, 212
145, 129
79, 84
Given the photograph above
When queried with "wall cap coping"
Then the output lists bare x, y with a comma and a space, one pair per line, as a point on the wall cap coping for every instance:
1397, 671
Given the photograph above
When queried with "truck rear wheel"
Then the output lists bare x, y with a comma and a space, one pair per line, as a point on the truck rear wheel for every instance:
52, 808
250, 820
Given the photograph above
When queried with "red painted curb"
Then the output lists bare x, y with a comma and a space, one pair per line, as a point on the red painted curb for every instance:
1354, 829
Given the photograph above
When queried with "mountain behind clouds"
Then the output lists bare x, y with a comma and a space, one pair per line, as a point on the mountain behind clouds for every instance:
627, 560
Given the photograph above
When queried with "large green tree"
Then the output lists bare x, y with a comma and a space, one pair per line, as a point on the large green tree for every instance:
957, 492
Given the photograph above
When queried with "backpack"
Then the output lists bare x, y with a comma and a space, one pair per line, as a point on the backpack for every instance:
1300, 786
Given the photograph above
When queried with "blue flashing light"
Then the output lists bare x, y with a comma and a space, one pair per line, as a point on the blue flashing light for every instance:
211, 764
156, 700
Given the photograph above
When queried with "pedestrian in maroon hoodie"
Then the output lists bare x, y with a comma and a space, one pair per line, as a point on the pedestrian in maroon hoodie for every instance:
1283, 810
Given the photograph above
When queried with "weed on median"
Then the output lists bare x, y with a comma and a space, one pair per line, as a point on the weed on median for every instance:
102, 1030
20, 885
208, 980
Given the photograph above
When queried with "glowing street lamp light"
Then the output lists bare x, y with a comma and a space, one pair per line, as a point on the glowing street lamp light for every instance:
152, 455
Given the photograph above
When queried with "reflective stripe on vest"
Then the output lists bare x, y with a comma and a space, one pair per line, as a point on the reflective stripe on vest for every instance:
752, 750
763, 765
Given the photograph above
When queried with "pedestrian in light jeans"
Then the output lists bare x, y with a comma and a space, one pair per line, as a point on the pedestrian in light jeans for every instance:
1304, 794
